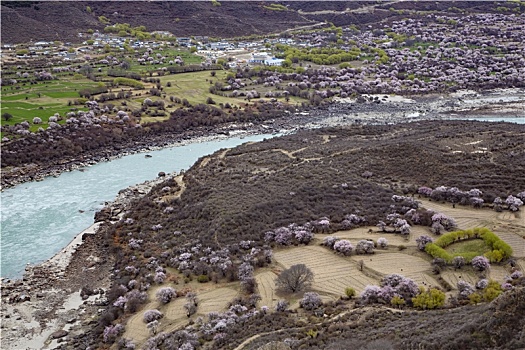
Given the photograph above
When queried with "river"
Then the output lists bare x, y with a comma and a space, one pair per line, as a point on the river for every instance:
40, 218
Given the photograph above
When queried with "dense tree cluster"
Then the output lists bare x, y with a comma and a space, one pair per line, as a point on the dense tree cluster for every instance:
411, 56
391, 286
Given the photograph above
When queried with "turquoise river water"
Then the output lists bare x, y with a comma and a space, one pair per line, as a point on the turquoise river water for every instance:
40, 218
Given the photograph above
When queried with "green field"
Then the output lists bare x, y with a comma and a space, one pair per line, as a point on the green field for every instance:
472, 247
42, 100
194, 87
27, 100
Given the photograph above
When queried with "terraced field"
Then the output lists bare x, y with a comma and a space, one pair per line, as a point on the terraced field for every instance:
498, 273
212, 299
453, 277
516, 242
465, 217
333, 273
386, 263
266, 286
359, 233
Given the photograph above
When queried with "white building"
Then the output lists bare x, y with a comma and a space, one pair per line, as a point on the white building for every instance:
266, 59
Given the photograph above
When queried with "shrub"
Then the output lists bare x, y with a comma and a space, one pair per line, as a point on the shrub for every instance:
166, 294
203, 278
430, 299
492, 291
397, 301
128, 82
500, 249
152, 315
350, 292
310, 301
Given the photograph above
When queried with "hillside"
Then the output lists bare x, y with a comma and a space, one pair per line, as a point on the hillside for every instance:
225, 209
48, 20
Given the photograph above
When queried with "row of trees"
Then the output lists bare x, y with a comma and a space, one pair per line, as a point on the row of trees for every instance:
499, 249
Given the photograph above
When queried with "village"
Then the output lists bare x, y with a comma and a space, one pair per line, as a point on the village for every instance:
236, 52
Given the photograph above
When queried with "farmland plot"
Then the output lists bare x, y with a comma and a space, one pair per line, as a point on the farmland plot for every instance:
498, 273
409, 266
465, 217
360, 233
333, 273
516, 242
266, 287
453, 277
521, 264
215, 299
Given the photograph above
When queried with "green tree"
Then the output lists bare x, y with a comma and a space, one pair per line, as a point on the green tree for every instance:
429, 299
397, 301
287, 63
6, 116
350, 292
492, 291
103, 19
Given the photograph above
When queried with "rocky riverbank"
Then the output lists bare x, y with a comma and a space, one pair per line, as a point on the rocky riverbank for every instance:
56, 303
